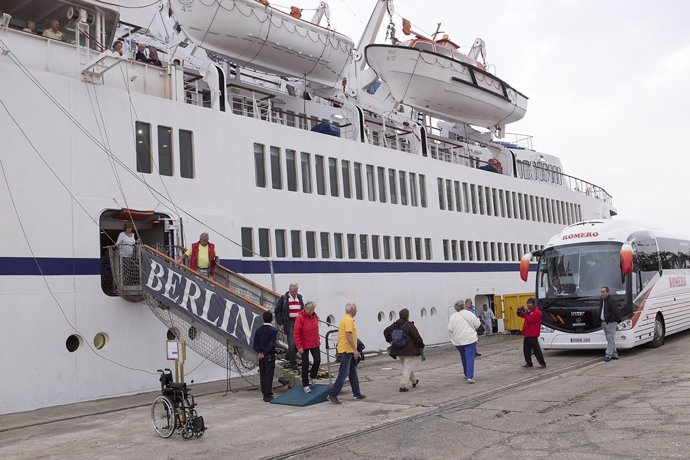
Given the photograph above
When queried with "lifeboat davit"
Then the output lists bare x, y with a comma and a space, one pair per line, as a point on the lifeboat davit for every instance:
255, 34
437, 79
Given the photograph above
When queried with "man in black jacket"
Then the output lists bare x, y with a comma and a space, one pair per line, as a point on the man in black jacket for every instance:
610, 317
287, 310
413, 347
265, 347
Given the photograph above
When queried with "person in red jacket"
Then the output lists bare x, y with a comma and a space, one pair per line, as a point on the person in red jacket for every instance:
307, 341
530, 331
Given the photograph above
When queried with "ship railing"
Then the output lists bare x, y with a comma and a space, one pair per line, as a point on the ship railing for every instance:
125, 266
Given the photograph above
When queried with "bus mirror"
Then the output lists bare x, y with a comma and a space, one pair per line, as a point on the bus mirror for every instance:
524, 266
626, 259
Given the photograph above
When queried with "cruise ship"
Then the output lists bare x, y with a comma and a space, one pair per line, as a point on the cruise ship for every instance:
375, 173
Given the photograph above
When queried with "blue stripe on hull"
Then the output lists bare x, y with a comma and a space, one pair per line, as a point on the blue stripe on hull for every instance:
56, 266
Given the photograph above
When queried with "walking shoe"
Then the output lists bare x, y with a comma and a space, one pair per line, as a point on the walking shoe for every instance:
333, 399
312, 381
614, 357
414, 385
470, 380
307, 389
359, 397
268, 399
477, 355
607, 358
527, 365
403, 389
542, 366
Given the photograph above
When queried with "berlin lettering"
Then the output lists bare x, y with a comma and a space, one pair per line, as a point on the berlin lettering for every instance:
231, 317
570, 236
677, 281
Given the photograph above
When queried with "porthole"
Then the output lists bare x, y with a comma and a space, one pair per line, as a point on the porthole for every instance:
73, 343
330, 320
100, 340
382, 316
391, 315
173, 333
192, 333
423, 313
433, 312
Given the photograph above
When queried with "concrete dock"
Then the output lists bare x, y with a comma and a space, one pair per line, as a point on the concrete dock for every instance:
578, 407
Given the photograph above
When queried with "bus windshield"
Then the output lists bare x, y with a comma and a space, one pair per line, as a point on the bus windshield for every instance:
579, 271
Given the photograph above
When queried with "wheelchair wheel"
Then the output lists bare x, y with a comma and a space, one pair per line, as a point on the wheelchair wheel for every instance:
163, 416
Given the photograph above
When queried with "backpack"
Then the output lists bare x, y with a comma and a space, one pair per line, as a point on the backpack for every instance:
399, 338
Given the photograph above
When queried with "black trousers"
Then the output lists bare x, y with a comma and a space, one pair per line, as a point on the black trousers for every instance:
529, 345
267, 366
316, 363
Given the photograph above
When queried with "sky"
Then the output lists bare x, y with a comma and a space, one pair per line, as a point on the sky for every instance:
608, 85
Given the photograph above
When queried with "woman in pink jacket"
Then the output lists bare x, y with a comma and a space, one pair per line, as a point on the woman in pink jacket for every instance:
307, 341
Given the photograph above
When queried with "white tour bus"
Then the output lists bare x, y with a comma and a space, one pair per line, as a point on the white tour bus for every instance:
645, 270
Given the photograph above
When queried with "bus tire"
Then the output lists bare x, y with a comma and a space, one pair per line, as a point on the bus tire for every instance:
659, 332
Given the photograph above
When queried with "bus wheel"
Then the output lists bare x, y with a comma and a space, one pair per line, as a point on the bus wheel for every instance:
659, 332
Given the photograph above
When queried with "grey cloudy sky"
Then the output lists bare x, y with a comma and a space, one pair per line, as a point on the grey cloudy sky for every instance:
608, 82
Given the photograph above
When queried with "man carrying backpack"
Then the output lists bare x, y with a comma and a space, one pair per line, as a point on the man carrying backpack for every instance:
406, 343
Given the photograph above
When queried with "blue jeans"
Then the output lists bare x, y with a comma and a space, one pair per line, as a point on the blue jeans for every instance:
467, 353
347, 370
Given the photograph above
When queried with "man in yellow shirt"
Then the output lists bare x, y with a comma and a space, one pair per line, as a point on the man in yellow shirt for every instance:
202, 256
347, 348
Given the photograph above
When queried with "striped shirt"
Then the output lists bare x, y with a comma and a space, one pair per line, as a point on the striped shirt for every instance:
294, 306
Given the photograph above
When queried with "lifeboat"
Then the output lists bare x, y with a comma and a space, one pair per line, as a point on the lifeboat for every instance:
255, 34
434, 77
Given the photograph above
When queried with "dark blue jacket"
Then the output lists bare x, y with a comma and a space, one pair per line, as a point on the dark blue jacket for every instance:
265, 339
282, 310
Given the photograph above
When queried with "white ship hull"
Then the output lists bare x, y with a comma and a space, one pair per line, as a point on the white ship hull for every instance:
250, 33
444, 87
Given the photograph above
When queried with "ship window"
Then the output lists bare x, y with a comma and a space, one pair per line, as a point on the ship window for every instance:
351, 246
73, 343
502, 203
371, 186
480, 196
398, 247
494, 198
306, 172
473, 193
442, 50
454, 249
466, 197
382, 183
290, 118
291, 169
413, 189
186, 154
509, 205
358, 181
458, 200
446, 251
441, 195
506, 251
375, 249
311, 244
296, 243
422, 190
276, 175
345, 165
338, 245
387, 247
363, 247
100, 340
247, 242
325, 245
493, 251
478, 250
499, 251
427, 248
165, 161
424, 46
418, 248
403, 188
449, 194
264, 246
463, 255
489, 205
320, 175
470, 250
333, 176
259, 165
281, 250
408, 248
548, 210
393, 186
143, 146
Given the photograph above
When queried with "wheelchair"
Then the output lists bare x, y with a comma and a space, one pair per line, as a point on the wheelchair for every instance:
174, 410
